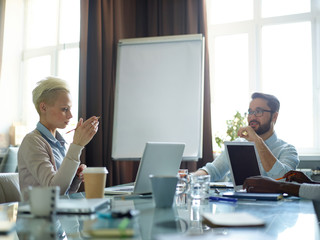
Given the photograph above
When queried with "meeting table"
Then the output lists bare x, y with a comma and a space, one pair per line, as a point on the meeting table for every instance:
136, 217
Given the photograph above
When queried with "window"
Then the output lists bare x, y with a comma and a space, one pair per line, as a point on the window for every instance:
270, 46
51, 48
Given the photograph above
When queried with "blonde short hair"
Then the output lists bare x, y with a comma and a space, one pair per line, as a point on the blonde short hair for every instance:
47, 90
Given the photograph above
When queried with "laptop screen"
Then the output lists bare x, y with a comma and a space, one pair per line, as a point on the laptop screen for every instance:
243, 160
159, 158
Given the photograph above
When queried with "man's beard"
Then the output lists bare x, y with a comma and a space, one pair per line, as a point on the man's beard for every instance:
263, 128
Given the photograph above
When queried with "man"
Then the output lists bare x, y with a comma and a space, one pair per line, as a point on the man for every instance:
277, 157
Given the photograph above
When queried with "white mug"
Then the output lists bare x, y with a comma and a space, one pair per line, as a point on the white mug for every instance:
43, 200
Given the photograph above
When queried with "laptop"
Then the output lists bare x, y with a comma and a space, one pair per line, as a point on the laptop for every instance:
243, 161
75, 206
159, 158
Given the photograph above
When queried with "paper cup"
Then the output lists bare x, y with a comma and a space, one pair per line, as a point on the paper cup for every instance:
95, 181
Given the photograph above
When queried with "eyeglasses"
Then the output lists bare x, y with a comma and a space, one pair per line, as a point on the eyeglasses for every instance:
258, 112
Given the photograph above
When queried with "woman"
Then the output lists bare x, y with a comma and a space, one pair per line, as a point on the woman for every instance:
42, 157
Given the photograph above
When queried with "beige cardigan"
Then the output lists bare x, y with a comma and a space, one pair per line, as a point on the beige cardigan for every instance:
37, 167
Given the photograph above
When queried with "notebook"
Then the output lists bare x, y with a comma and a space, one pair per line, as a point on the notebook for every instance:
159, 158
255, 196
243, 161
79, 205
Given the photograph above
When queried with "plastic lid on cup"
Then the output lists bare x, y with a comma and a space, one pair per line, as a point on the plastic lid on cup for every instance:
95, 170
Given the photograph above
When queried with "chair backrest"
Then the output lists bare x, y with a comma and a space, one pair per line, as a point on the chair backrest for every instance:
10, 162
9, 187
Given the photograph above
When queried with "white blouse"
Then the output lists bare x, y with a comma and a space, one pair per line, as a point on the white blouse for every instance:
310, 191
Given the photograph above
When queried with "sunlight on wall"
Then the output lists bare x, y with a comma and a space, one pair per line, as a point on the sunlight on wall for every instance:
9, 82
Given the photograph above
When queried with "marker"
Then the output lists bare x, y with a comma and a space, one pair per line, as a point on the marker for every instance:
226, 199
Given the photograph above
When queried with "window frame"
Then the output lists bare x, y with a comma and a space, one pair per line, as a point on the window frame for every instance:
253, 29
52, 51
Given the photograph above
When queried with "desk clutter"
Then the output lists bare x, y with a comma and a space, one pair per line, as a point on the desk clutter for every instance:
214, 215
72, 206
111, 228
112, 224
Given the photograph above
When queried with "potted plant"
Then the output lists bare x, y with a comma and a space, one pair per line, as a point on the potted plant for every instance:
239, 120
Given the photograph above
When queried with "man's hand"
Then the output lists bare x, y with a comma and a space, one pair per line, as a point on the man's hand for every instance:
261, 184
266, 156
200, 172
248, 133
297, 176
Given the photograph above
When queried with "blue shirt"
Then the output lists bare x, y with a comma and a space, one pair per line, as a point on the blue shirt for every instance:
57, 143
286, 155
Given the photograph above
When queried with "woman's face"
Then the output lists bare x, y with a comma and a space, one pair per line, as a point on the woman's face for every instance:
58, 114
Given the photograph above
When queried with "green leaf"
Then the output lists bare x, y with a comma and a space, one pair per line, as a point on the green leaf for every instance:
239, 120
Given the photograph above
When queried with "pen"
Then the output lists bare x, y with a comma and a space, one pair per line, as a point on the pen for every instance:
223, 199
292, 174
76, 128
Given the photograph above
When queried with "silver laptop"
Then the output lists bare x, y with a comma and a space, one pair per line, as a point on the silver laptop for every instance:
158, 158
76, 205
243, 161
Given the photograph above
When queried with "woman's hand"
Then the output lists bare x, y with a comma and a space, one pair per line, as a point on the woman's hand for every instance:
80, 171
85, 131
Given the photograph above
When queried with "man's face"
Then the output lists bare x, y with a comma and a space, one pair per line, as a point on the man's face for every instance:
260, 124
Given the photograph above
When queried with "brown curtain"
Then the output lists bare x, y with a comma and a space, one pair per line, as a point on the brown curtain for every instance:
103, 23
